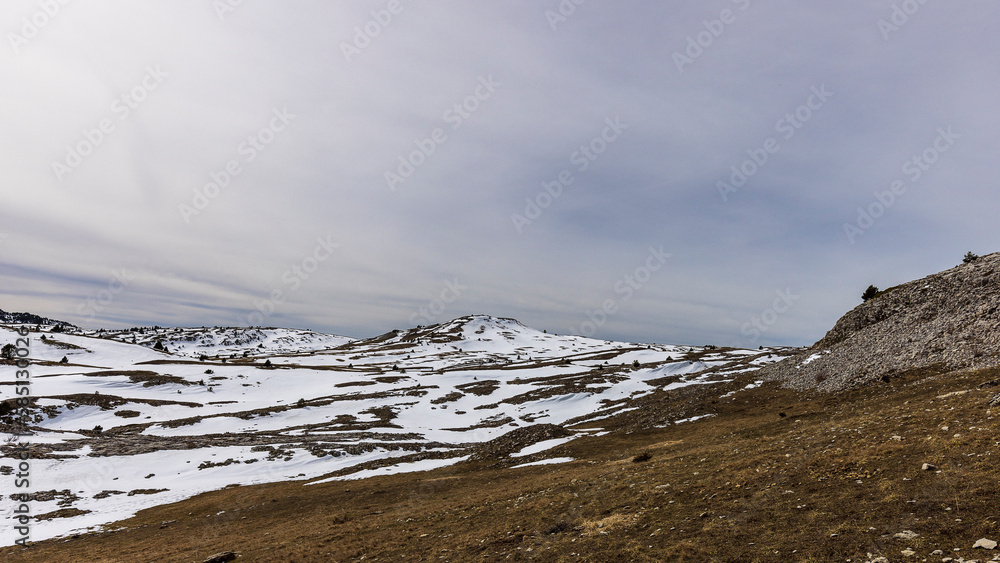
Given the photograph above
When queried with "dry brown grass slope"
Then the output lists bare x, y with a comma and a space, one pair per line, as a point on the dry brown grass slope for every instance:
833, 479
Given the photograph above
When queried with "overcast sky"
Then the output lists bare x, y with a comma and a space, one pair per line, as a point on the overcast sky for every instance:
682, 172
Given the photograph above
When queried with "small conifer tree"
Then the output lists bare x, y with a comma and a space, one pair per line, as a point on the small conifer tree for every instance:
872, 291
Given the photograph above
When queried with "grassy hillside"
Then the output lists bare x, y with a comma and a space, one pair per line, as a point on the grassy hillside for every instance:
774, 475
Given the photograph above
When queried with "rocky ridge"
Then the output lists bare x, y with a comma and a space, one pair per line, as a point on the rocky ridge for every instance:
30, 319
949, 320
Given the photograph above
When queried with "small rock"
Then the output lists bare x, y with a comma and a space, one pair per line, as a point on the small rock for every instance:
908, 553
985, 544
937, 552
223, 557
906, 535
896, 438
928, 467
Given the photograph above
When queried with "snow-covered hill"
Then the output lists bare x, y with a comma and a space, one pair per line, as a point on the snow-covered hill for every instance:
224, 342
119, 426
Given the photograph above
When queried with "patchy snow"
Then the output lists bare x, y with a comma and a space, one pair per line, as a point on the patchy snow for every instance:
551, 461
422, 465
811, 359
173, 425
539, 447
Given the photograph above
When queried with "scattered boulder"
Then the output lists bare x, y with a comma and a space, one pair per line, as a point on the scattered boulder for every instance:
906, 535
985, 544
928, 467
223, 557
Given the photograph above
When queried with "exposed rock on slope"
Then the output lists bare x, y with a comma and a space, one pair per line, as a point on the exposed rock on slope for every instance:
951, 319
515, 440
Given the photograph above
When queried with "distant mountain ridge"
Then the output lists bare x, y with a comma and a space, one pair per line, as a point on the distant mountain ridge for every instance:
949, 320
30, 318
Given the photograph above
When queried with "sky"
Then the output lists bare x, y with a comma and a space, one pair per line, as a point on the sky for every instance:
732, 172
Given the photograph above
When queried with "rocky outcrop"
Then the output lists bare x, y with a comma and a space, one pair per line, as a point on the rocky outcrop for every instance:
950, 319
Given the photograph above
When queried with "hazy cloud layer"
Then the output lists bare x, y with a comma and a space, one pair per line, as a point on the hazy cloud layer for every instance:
646, 171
